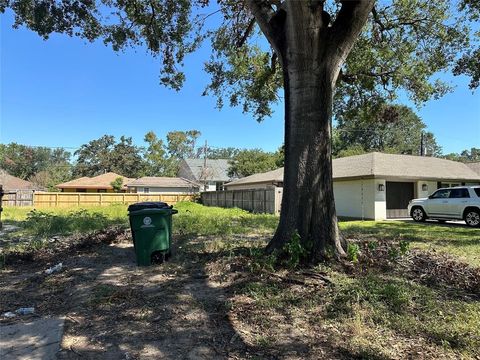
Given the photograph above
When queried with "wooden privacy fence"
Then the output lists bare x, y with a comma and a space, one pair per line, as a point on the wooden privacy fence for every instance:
49, 199
18, 198
256, 200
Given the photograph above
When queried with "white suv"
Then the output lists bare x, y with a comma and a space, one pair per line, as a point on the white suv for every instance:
456, 203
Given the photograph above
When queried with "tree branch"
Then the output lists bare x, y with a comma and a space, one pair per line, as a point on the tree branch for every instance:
348, 25
264, 14
246, 34
377, 20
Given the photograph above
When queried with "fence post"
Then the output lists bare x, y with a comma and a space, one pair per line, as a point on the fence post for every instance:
78, 199
265, 201
56, 200
253, 200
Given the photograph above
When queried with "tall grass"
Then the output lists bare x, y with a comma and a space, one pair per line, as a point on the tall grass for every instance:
201, 220
45, 223
192, 218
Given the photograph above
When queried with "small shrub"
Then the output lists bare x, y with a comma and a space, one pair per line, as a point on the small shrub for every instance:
404, 247
261, 261
372, 245
294, 251
352, 252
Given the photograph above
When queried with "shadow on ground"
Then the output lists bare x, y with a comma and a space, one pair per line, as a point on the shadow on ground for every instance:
116, 310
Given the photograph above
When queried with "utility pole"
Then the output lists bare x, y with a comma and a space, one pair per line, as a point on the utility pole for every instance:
205, 149
1, 203
422, 145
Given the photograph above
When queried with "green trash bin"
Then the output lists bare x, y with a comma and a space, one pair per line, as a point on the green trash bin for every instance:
151, 224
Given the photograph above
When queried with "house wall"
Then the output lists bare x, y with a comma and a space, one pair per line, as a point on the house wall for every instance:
431, 187
166, 190
360, 199
210, 186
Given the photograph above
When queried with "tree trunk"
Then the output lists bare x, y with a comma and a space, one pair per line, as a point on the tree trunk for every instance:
310, 72
308, 205
311, 51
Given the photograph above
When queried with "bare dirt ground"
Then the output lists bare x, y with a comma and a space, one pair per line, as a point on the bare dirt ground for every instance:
115, 310
187, 308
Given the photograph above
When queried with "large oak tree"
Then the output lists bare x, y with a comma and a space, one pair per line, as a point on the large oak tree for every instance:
327, 56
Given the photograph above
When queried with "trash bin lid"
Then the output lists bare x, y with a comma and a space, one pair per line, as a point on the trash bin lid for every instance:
149, 205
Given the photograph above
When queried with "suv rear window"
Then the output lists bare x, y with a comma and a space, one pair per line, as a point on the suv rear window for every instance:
459, 193
477, 191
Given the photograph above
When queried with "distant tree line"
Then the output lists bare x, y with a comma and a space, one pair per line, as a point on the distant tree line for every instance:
379, 127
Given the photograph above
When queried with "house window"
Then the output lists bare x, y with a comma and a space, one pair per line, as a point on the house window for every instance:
446, 185
102, 190
80, 190
146, 190
219, 186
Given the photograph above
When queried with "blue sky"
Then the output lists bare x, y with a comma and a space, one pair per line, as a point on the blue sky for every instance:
65, 92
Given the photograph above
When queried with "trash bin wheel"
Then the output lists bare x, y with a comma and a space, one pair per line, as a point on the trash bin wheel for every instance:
158, 257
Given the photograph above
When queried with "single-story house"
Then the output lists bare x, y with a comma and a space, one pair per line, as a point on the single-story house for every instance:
97, 184
18, 192
212, 174
13, 183
376, 185
163, 185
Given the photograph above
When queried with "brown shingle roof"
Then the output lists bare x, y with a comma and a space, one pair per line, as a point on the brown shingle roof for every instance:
383, 165
156, 181
97, 182
11, 183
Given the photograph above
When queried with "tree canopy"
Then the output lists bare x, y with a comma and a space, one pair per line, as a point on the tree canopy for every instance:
107, 155
404, 44
253, 161
43, 166
385, 128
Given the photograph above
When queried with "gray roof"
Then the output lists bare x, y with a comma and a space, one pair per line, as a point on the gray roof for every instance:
383, 165
156, 181
216, 170
475, 166
402, 166
274, 176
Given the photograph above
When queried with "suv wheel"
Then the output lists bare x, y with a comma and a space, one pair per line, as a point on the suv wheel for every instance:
472, 218
418, 214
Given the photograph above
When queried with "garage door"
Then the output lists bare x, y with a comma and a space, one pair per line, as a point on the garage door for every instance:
398, 196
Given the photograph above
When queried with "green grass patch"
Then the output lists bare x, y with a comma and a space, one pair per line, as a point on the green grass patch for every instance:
457, 240
196, 219
407, 308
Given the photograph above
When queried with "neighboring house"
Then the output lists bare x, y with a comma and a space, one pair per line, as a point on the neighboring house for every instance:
376, 185
96, 184
265, 180
163, 185
18, 192
12, 183
211, 176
